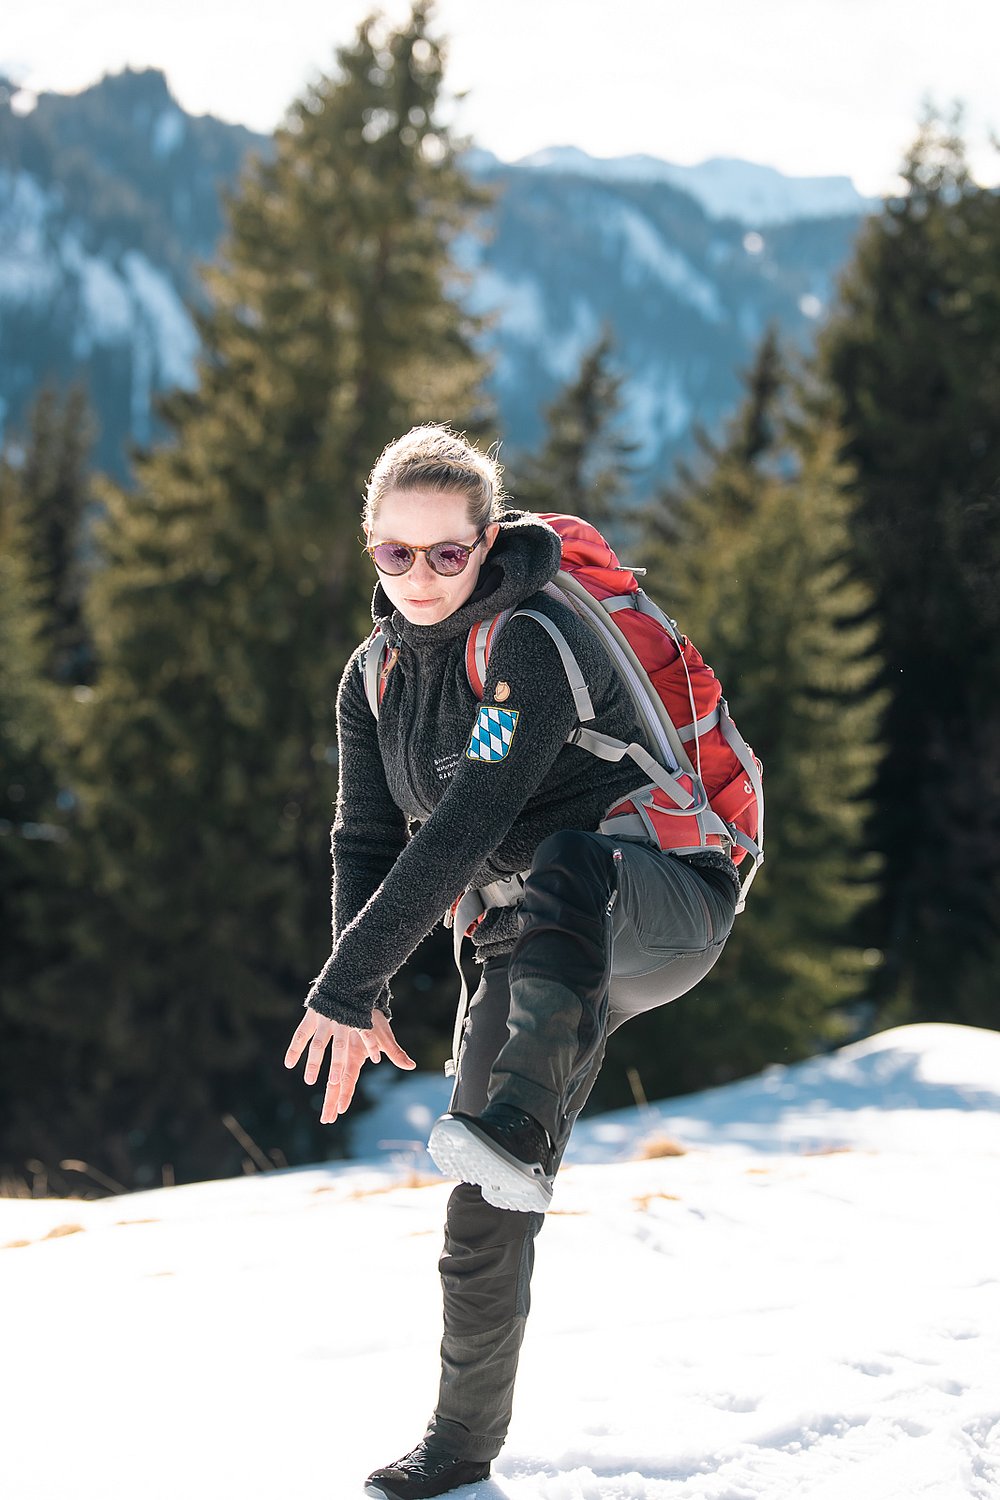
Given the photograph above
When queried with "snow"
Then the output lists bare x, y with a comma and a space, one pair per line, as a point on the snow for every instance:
168, 132
726, 187
170, 324
804, 1304
658, 410
134, 303
644, 254
757, 194
516, 303
27, 271
105, 306
560, 337
564, 347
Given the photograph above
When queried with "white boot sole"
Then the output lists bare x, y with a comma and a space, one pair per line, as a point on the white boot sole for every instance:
380, 1492
459, 1151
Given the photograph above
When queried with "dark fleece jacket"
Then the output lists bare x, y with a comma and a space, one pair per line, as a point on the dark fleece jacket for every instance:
479, 821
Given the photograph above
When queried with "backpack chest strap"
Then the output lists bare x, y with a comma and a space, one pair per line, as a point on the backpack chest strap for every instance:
606, 747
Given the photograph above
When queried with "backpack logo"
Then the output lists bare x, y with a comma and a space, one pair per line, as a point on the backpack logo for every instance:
492, 734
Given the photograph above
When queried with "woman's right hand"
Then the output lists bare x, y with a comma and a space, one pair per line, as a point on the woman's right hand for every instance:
349, 1048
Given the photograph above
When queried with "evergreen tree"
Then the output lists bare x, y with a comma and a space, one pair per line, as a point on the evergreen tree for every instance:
25, 785
753, 560
583, 467
32, 830
53, 494
912, 363
720, 488
231, 590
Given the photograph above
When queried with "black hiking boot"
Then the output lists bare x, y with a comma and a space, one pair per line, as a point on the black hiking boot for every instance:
504, 1151
423, 1472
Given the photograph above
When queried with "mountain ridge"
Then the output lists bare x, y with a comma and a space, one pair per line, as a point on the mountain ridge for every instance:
727, 187
112, 198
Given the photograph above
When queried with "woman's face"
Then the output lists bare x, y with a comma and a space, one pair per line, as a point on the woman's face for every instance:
421, 518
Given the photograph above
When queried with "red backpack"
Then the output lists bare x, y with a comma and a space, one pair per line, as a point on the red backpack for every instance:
705, 788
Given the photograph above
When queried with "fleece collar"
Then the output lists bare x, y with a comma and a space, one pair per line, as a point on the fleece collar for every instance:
524, 557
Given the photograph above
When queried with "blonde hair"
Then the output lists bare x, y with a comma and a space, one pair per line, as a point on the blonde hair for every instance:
433, 457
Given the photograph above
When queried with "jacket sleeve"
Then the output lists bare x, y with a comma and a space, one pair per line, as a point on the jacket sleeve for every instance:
495, 778
369, 830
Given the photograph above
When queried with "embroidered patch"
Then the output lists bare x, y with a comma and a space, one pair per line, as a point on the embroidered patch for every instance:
446, 765
493, 732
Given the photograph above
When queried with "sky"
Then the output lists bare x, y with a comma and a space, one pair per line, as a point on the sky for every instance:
783, 1288
812, 87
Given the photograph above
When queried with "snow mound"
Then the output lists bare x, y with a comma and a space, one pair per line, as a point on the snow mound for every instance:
704, 1327
912, 1088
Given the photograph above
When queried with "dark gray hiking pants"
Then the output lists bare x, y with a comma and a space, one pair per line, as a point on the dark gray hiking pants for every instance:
608, 930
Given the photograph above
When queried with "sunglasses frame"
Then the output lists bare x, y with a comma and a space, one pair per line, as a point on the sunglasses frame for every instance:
468, 548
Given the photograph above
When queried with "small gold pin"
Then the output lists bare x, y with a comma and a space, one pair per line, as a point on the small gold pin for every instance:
503, 692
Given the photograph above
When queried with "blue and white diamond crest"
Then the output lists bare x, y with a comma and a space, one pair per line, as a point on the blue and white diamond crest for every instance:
493, 732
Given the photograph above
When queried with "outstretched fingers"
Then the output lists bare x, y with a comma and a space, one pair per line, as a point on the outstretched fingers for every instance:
301, 1037
382, 1031
321, 1036
350, 1048
347, 1056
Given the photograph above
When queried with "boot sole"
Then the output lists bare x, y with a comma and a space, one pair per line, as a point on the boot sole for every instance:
386, 1492
459, 1150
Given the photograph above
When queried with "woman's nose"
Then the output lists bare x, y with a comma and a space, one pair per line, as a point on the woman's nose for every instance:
422, 569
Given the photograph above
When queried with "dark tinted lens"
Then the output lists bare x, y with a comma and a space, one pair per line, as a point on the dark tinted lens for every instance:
393, 557
448, 557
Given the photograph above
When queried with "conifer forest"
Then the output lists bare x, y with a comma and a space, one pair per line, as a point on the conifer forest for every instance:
170, 647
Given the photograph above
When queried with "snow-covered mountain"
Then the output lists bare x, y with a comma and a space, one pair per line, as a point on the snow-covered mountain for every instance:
687, 296
726, 187
785, 1287
110, 198
87, 307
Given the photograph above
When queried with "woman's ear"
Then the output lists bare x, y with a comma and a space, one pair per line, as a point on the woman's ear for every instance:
492, 532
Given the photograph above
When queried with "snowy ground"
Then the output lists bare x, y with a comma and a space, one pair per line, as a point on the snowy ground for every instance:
806, 1303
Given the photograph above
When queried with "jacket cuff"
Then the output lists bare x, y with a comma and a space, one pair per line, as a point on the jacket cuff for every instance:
335, 1010
356, 1012
498, 931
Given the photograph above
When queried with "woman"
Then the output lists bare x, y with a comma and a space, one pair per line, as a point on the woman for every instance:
593, 909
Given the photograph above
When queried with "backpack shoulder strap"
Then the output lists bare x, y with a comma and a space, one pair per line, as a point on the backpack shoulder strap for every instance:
652, 713
371, 666
578, 687
479, 644
604, 746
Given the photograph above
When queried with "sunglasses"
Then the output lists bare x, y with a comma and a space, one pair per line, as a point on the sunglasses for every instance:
446, 558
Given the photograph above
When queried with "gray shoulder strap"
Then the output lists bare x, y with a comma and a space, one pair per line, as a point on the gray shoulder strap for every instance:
371, 667
578, 687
